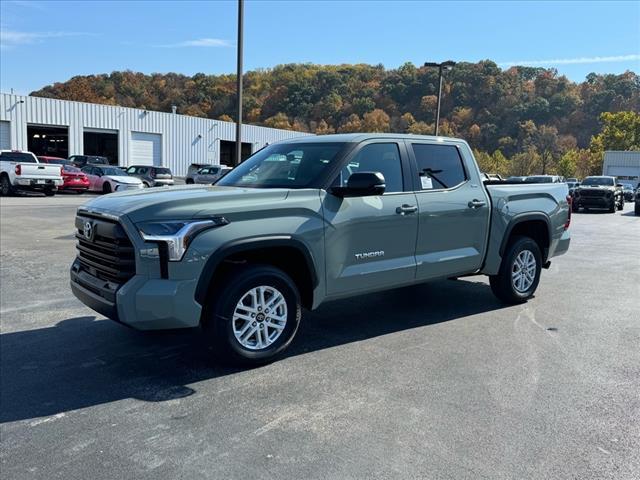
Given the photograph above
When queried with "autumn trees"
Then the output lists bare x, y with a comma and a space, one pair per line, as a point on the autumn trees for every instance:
526, 120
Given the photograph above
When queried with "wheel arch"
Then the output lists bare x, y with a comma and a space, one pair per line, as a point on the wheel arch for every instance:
285, 252
535, 225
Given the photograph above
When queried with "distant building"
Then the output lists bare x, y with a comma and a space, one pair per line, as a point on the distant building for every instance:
624, 165
126, 136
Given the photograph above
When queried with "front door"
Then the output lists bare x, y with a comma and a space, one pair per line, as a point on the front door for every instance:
454, 211
370, 241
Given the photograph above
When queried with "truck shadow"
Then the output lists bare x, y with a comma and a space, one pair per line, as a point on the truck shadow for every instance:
82, 362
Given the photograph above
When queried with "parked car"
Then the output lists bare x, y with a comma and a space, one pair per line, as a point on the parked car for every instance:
598, 192
54, 160
82, 160
208, 175
110, 179
194, 167
305, 221
572, 186
151, 176
75, 180
572, 180
22, 171
627, 191
544, 179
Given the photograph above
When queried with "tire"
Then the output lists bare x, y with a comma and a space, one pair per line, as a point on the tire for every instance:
6, 189
189, 181
612, 207
504, 284
621, 206
49, 192
223, 329
145, 185
636, 209
106, 188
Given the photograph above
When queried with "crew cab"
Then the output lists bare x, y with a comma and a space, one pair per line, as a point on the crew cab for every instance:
306, 221
22, 171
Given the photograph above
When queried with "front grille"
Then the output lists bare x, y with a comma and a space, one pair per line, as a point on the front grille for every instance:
593, 193
106, 253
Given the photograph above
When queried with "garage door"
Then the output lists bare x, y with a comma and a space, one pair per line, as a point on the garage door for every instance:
146, 149
5, 135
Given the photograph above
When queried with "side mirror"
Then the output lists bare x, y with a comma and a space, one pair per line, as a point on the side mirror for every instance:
362, 184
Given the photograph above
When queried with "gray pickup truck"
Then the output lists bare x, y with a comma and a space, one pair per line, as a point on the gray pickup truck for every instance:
306, 221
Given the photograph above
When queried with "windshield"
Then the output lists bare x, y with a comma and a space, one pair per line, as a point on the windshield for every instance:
285, 165
541, 179
607, 181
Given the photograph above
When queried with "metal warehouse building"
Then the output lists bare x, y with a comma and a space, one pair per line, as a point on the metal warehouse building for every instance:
126, 136
624, 165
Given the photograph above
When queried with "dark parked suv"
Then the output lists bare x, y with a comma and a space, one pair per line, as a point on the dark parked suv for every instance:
83, 160
599, 192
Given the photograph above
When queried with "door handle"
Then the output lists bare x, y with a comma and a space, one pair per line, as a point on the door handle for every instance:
404, 209
476, 203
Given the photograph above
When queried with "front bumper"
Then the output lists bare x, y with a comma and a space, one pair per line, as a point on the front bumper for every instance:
142, 303
594, 202
121, 187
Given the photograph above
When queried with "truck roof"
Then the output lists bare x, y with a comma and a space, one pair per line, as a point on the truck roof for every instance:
359, 137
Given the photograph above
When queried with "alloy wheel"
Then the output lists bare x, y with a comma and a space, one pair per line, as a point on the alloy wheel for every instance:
523, 271
260, 317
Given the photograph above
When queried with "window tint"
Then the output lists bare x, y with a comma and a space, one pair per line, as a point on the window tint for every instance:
376, 157
20, 157
439, 166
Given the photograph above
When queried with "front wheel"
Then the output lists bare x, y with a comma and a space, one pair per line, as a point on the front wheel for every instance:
254, 317
621, 206
519, 273
106, 187
613, 207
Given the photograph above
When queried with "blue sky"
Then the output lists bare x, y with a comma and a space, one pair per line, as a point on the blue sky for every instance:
47, 41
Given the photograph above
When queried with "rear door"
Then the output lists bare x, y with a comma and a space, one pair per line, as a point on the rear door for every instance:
370, 241
453, 210
91, 175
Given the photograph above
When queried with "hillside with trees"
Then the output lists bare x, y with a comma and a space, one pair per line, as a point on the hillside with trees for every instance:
520, 121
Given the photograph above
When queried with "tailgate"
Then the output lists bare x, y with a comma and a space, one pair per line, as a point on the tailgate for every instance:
39, 170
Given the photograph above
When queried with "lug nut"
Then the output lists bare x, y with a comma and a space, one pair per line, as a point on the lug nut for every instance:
266, 310
254, 323
259, 309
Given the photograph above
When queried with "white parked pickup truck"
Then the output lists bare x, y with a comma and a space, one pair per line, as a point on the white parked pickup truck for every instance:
22, 171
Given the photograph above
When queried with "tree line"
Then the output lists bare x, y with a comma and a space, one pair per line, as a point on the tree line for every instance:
522, 120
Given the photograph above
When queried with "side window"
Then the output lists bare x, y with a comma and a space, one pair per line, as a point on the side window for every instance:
439, 166
87, 170
376, 157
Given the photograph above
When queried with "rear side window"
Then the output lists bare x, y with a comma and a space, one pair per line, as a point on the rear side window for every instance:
376, 157
439, 166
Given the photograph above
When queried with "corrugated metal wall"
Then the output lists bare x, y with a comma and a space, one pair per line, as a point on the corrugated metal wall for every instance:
185, 139
622, 164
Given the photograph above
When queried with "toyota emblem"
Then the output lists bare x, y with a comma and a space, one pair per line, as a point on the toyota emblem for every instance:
88, 231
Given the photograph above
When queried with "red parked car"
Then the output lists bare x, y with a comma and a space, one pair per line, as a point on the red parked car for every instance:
74, 179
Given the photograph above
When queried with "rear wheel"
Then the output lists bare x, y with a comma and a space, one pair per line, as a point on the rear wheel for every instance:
145, 185
5, 186
49, 192
254, 317
189, 181
519, 272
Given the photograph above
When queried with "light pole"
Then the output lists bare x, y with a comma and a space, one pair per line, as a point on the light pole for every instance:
448, 65
238, 158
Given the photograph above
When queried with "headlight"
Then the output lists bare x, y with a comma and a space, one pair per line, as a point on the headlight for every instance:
177, 235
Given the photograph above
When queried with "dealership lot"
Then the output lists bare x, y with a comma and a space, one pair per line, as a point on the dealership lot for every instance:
434, 381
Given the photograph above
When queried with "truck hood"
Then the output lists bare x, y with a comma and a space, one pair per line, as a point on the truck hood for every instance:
179, 203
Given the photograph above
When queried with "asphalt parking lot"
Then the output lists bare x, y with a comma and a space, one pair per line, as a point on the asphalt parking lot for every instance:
438, 381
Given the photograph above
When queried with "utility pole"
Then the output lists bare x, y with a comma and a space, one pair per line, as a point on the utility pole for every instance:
448, 65
238, 158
